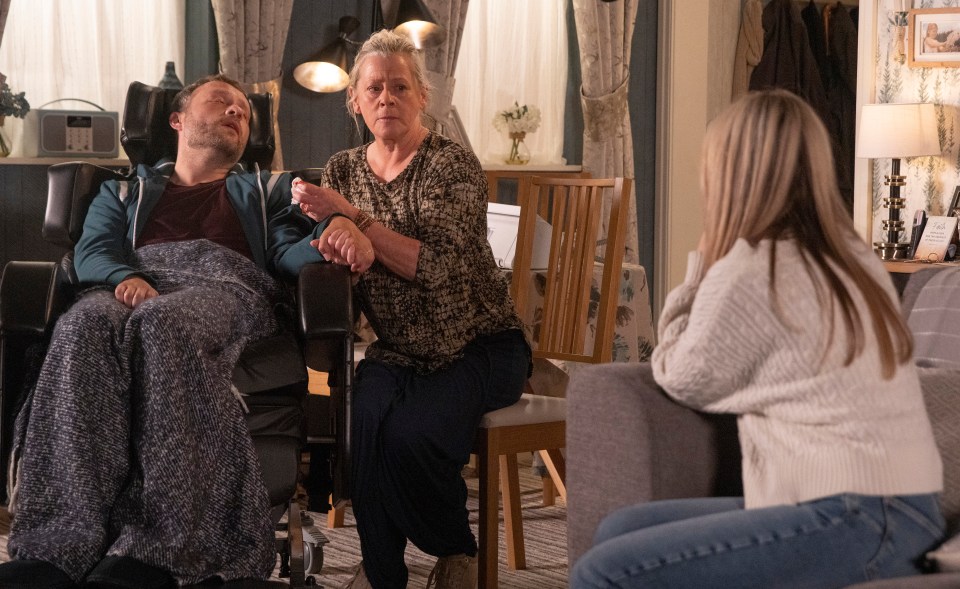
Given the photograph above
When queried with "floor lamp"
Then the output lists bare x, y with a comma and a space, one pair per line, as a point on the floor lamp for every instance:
896, 131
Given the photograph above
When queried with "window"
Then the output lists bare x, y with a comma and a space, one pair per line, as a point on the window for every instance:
60, 49
513, 51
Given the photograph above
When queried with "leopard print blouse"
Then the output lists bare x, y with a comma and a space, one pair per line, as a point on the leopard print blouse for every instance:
458, 292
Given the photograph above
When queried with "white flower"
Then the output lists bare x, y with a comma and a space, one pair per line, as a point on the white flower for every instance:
519, 119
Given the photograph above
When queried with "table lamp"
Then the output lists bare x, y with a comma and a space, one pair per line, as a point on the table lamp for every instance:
896, 131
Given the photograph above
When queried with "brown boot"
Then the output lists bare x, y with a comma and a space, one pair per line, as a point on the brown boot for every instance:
358, 580
454, 572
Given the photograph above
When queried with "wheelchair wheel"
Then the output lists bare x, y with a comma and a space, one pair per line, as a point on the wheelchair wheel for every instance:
312, 558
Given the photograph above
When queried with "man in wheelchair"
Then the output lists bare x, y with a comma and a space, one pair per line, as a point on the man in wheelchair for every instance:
132, 464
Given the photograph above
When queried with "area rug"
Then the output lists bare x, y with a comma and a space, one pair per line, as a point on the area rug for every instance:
545, 539
545, 534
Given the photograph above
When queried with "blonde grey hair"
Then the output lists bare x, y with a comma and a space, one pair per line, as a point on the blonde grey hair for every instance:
385, 43
768, 173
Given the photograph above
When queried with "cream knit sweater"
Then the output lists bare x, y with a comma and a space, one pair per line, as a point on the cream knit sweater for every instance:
809, 426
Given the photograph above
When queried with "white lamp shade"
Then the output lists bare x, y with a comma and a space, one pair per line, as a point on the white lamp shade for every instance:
321, 76
897, 131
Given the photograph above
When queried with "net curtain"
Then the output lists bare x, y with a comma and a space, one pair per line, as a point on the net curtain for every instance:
252, 35
605, 32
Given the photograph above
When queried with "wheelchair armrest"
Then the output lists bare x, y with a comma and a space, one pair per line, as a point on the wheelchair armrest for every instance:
71, 187
32, 296
325, 299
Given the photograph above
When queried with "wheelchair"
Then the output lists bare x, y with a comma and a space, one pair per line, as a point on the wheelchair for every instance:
271, 373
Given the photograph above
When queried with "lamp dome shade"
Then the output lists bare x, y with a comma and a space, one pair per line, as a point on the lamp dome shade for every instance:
328, 71
898, 131
321, 76
415, 21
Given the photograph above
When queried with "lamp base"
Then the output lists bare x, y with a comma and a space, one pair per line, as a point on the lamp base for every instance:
890, 250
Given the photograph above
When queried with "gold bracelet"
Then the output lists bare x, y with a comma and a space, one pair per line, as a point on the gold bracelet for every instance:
363, 221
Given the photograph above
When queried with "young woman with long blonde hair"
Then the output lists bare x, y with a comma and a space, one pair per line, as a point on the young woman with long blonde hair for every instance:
787, 319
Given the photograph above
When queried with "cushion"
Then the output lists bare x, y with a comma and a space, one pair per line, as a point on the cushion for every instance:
528, 410
934, 320
914, 285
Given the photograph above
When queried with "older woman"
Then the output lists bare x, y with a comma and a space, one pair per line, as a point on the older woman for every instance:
450, 345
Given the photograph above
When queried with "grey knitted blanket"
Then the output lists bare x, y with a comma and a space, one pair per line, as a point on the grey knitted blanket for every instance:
132, 443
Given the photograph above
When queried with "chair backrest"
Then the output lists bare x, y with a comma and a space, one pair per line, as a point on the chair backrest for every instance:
494, 177
575, 209
147, 137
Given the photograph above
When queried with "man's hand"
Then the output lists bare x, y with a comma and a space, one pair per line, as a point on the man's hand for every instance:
342, 243
319, 203
133, 291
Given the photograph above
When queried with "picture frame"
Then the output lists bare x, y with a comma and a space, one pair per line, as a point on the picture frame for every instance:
933, 37
954, 209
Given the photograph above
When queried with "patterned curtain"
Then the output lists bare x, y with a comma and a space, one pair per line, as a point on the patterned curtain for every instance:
605, 32
441, 64
252, 35
4, 10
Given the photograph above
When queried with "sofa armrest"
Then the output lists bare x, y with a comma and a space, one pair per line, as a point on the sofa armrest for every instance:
629, 443
941, 386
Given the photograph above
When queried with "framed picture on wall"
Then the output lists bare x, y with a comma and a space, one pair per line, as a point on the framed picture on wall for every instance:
933, 37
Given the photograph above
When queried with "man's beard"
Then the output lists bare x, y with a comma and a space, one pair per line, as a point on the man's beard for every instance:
206, 135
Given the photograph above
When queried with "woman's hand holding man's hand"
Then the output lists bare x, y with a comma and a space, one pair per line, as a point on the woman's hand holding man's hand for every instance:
342, 243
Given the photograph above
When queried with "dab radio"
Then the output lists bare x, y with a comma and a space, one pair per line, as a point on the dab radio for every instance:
67, 133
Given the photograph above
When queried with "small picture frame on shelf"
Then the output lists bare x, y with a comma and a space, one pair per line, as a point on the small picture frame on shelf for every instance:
954, 209
934, 244
934, 37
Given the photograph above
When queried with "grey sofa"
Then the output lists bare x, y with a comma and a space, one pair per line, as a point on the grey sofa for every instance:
628, 443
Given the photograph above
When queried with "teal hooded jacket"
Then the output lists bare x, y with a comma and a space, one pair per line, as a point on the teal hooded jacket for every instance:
278, 233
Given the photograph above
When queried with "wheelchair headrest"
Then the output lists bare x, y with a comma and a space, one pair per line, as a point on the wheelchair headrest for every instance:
147, 137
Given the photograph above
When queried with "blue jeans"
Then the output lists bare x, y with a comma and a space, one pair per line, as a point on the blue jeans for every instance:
701, 543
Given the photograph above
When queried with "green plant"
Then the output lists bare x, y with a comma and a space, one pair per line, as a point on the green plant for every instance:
14, 105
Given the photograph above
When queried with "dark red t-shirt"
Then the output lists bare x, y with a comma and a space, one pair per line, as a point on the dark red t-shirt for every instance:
195, 212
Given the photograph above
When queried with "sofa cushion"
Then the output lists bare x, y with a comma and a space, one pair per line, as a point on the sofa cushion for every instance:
915, 284
934, 318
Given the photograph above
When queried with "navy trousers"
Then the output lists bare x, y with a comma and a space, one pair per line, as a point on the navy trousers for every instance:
412, 434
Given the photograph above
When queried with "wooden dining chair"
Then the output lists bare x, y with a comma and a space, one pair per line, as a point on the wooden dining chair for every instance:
513, 176
576, 209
